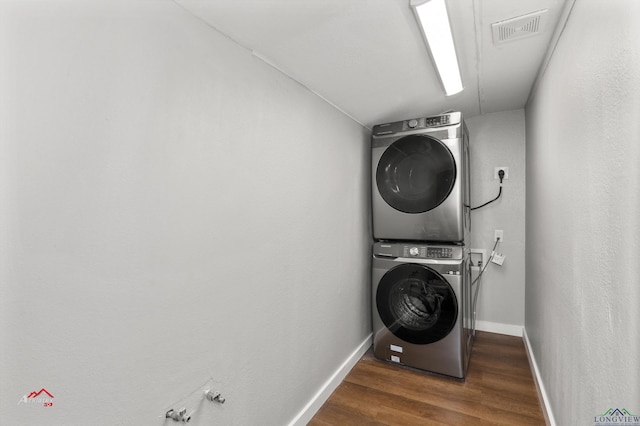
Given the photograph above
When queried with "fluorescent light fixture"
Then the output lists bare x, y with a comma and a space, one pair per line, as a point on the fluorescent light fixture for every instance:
434, 20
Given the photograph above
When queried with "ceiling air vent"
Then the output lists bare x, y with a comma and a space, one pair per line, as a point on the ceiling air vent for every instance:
519, 27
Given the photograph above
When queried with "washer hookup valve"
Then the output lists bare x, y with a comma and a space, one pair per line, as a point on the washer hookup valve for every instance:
213, 396
178, 416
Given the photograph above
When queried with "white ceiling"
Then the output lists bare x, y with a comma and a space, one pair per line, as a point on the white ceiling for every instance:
368, 58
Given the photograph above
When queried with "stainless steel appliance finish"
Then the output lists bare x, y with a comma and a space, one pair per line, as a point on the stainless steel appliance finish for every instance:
420, 179
422, 315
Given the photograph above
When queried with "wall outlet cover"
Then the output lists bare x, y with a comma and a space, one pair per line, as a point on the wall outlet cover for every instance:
497, 169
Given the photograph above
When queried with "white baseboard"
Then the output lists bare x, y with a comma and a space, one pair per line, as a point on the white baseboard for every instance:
542, 393
312, 407
496, 327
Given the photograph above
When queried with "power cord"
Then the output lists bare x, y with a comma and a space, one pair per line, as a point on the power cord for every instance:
501, 176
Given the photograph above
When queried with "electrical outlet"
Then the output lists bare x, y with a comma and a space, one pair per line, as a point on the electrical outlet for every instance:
499, 234
497, 170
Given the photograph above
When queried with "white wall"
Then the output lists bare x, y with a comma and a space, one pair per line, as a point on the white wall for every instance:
583, 226
498, 140
172, 211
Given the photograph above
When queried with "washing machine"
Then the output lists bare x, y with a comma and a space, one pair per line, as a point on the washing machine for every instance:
422, 314
420, 179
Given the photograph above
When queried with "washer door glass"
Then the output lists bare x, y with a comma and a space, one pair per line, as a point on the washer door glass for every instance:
416, 174
416, 303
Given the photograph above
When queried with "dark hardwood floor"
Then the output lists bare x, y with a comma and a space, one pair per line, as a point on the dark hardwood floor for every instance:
499, 390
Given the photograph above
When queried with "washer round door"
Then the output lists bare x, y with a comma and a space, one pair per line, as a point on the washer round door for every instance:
416, 174
416, 303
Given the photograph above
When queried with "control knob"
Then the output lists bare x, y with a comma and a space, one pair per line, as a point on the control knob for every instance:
413, 123
414, 251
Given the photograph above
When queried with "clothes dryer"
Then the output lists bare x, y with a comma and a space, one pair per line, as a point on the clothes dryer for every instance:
422, 314
420, 179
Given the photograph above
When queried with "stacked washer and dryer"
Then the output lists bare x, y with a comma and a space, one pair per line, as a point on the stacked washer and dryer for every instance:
421, 274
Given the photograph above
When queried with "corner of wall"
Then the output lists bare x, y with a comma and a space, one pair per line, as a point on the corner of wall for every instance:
545, 404
325, 391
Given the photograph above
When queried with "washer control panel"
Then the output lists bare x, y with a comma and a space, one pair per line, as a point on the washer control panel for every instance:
417, 250
427, 252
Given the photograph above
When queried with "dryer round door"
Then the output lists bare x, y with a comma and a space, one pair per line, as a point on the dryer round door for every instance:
416, 303
416, 174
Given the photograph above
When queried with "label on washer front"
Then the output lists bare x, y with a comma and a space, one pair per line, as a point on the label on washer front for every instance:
395, 358
396, 348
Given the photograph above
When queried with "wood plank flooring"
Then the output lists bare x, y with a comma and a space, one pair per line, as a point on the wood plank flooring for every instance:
499, 390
